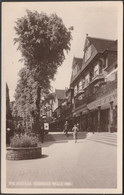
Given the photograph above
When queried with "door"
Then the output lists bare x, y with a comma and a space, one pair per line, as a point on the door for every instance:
104, 120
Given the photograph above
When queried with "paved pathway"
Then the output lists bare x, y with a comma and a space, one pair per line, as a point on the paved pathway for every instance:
65, 164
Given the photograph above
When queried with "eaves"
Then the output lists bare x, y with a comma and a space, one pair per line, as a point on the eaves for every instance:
92, 60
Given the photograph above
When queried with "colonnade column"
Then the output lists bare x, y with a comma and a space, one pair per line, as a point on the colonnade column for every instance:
98, 127
89, 128
111, 122
80, 121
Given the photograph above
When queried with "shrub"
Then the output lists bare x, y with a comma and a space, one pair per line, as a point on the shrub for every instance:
23, 141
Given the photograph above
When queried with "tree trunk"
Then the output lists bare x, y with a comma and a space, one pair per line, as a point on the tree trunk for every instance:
36, 126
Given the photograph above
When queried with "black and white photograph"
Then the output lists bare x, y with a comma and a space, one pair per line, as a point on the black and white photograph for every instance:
61, 97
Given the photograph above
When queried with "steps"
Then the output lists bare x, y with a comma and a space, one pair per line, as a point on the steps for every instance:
101, 137
104, 137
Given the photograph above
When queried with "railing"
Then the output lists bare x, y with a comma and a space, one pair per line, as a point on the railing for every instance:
102, 90
97, 77
80, 102
89, 96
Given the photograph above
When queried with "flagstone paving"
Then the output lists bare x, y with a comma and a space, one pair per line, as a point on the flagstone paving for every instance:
65, 164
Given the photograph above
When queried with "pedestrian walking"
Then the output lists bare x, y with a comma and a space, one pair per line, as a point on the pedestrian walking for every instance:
77, 125
75, 130
66, 128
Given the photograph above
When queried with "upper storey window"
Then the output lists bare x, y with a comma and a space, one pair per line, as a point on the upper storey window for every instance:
87, 53
80, 85
87, 79
83, 83
74, 71
96, 70
75, 90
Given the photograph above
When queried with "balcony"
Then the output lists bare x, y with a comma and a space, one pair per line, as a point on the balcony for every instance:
80, 102
79, 92
97, 78
102, 91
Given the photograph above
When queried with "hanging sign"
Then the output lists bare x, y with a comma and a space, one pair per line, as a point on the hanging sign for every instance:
46, 126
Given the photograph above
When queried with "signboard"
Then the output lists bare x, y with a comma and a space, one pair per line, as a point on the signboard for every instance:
110, 98
46, 126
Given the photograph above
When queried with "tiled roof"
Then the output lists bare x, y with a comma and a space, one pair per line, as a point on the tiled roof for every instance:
60, 93
103, 44
113, 46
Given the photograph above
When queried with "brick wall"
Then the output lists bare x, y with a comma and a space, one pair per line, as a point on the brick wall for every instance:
23, 153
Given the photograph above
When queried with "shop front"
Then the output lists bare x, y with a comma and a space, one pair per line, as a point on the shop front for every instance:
81, 117
103, 113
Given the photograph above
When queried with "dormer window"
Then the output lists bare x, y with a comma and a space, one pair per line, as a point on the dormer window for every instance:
75, 71
87, 53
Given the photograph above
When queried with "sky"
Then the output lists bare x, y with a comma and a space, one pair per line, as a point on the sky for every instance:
97, 19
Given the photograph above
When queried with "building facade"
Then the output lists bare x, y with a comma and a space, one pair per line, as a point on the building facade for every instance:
94, 81
51, 110
91, 99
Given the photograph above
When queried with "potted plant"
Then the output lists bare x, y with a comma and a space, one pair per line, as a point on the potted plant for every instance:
23, 146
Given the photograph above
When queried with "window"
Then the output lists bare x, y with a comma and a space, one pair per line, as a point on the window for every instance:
80, 85
83, 83
77, 86
96, 70
87, 79
91, 76
101, 65
105, 64
75, 71
86, 82
100, 69
75, 90
87, 53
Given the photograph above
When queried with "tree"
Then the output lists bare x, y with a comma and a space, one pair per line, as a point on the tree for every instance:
42, 40
8, 110
9, 119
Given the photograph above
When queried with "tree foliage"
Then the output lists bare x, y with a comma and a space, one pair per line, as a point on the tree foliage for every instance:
42, 40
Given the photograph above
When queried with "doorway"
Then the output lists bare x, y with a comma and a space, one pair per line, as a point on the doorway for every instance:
104, 120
